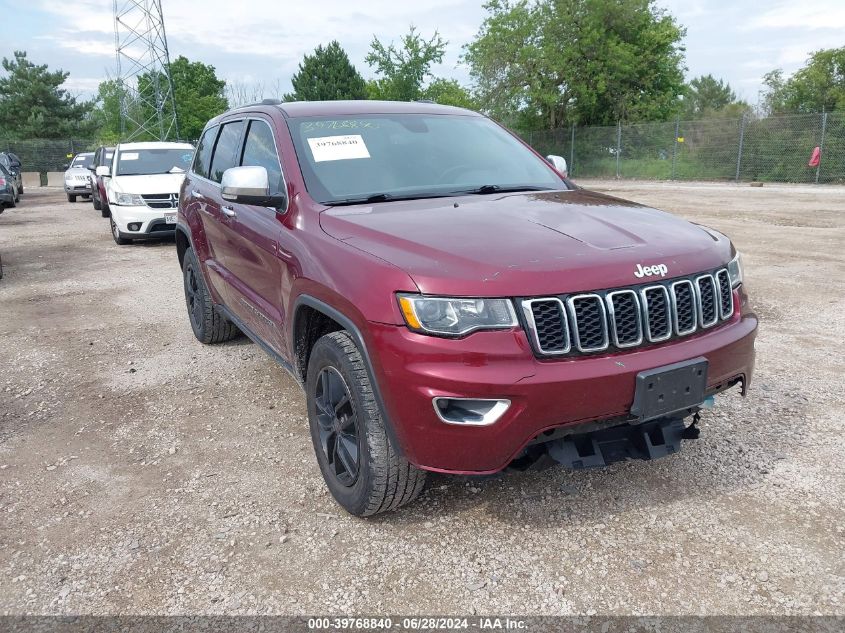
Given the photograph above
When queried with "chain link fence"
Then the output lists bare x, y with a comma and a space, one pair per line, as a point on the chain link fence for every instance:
773, 149
43, 155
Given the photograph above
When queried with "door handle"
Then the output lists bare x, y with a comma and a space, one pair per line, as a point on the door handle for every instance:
196, 194
229, 212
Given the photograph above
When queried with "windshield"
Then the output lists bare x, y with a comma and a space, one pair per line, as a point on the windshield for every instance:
385, 157
83, 160
143, 162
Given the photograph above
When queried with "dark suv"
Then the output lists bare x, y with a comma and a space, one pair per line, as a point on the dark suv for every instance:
448, 300
99, 198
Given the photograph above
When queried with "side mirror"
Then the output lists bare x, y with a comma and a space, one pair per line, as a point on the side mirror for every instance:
559, 163
103, 170
250, 185
66, 166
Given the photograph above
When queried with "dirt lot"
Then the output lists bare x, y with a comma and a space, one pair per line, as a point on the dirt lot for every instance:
141, 472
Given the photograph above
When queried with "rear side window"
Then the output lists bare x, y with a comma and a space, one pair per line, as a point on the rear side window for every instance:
224, 151
202, 159
260, 150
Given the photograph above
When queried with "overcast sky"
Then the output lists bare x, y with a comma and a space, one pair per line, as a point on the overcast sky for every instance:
263, 40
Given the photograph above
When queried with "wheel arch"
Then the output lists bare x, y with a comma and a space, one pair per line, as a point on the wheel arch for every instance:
310, 315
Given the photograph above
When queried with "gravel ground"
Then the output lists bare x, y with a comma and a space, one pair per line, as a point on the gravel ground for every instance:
142, 473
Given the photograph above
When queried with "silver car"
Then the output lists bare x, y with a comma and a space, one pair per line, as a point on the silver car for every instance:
78, 177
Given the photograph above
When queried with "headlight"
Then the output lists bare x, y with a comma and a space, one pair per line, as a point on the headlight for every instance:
735, 270
129, 199
456, 317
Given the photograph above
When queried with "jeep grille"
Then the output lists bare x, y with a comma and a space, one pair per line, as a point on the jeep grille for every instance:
623, 318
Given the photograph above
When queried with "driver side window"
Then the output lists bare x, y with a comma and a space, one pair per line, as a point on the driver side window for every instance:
260, 151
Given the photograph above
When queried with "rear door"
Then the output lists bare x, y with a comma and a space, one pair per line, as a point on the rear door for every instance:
253, 257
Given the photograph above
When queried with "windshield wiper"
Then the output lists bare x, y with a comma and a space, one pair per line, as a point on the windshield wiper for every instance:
487, 189
384, 197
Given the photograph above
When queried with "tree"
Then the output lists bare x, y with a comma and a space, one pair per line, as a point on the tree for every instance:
817, 87
404, 70
33, 104
107, 111
706, 95
327, 75
199, 96
594, 62
449, 92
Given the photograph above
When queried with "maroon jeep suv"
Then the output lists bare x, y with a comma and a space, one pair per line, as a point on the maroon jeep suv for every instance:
448, 300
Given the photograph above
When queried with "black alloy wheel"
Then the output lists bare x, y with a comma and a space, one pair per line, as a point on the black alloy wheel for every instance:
338, 426
194, 297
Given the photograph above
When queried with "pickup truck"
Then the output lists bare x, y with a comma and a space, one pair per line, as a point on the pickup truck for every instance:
448, 299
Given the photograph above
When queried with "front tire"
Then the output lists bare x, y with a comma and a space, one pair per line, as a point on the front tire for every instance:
117, 235
71, 198
361, 467
96, 202
208, 324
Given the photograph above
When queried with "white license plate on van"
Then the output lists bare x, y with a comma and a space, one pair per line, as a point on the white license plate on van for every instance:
170, 218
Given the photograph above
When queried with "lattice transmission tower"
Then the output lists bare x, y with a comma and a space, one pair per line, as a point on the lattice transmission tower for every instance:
147, 104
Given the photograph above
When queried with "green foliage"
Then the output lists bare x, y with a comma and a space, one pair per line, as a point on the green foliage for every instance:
553, 62
327, 75
706, 97
199, 95
449, 92
107, 112
403, 70
817, 87
33, 104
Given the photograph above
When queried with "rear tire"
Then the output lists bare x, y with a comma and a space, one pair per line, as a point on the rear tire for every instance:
96, 202
361, 466
71, 198
20, 190
208, 324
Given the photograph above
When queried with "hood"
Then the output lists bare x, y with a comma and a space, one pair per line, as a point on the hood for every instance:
527, 244
77, 171
157, 183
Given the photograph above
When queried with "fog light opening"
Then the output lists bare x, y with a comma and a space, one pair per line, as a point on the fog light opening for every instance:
134, 226
470, 411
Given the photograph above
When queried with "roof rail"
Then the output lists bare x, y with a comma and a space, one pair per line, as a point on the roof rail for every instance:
264, 102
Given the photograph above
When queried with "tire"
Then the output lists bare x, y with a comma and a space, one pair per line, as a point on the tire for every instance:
117, 236
12, 203
208, 324
20, 190
71, 198
96, 202
382, 479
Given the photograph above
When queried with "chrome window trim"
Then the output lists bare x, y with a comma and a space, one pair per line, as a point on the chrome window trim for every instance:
528, 313
717, 305
725, 315
611, 311
674, 296
647, 316
570, 303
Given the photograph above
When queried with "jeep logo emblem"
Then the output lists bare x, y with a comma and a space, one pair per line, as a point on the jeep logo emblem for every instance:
651, 271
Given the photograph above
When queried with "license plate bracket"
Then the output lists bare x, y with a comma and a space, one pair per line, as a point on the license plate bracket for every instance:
670, 389
170, 218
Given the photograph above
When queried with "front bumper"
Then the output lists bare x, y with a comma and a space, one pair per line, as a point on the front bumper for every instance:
151, 220
412, 369
78, 189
